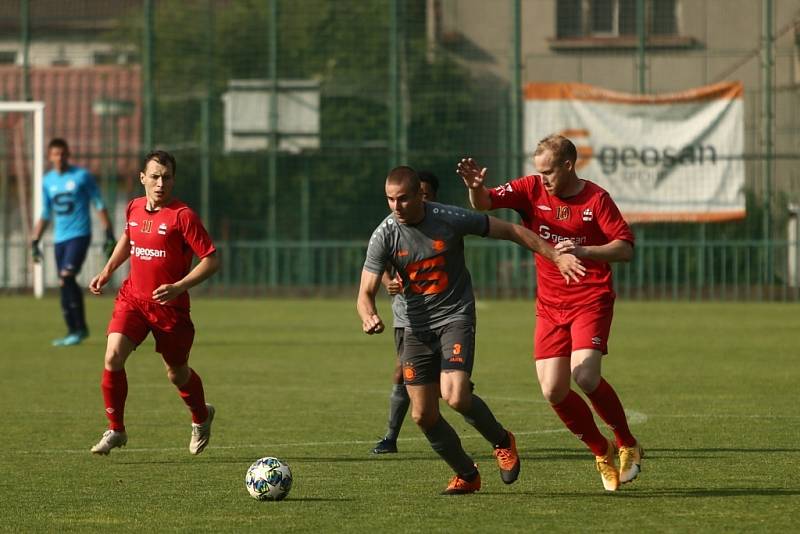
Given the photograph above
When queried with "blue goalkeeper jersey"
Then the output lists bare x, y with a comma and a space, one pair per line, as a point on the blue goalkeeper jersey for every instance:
66, 197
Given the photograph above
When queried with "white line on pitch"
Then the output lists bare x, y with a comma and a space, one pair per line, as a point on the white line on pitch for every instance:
633, 418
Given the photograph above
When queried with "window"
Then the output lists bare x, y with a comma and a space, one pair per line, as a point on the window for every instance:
604, 16
613, 18
662, 19
114, 58
569, 22
8, 57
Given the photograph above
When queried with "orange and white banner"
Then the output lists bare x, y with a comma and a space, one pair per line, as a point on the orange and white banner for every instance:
669, 157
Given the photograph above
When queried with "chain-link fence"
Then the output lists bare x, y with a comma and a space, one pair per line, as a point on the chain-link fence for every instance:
285, 117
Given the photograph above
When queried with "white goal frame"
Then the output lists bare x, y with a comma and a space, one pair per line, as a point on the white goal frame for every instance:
37, 108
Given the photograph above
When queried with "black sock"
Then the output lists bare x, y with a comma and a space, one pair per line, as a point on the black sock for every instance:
398, 406
446, 443
75, 304
482, 418
65, 308
469, 477
505, 442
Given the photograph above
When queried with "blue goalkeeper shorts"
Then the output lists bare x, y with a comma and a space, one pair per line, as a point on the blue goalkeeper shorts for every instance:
70, 254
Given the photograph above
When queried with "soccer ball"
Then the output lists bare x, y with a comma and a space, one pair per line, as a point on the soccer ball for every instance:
268, 479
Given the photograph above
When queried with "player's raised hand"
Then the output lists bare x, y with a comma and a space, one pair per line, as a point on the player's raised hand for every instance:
570, 267
472, 173
166, 292
97, 283
372, 325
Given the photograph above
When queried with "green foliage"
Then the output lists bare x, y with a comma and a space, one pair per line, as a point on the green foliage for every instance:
345, 45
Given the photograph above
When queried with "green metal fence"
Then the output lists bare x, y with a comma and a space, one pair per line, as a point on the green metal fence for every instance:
671, 270
730, 270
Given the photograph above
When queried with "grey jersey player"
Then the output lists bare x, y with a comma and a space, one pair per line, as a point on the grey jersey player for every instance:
424, 243
398, 399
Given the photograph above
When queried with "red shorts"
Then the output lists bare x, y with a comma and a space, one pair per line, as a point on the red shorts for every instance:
563, 330
172, 327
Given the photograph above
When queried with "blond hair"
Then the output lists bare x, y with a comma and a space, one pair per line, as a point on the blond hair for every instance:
559, 146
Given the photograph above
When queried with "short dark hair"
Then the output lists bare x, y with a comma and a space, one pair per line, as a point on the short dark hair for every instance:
58, 142
430, 179
403, 173
562, 148
163, 157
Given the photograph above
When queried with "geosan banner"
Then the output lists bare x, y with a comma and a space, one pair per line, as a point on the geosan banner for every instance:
667, 157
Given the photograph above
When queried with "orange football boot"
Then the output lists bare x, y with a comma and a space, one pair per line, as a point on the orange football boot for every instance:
508, 460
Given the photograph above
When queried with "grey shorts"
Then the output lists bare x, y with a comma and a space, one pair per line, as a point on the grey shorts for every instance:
426, 353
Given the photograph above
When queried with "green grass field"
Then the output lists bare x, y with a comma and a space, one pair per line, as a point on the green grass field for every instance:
711, 390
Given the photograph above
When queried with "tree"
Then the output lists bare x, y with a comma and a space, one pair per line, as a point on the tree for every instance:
344, 45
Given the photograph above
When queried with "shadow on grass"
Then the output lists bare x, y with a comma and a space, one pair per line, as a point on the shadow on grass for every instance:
737, 450
535, 455
291, 499
635, 493
650, 453
294, 459
679, 493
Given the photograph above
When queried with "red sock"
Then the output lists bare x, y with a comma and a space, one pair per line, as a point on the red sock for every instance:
576, 414
609, 408
114, 385
194, 397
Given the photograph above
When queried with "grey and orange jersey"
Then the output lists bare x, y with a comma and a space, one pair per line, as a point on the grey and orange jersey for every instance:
399, 314
429, 256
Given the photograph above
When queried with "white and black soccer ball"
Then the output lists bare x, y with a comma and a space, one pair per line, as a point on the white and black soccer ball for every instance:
268, 479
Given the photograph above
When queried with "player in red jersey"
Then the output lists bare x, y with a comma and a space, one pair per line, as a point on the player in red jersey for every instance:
573, 320
161, 236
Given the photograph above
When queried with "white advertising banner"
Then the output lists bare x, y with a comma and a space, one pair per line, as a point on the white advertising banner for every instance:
669, 157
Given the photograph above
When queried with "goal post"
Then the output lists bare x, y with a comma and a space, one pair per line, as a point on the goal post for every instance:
37, 109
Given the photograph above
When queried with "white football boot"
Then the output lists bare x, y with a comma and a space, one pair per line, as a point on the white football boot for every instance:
110, 440
201, 433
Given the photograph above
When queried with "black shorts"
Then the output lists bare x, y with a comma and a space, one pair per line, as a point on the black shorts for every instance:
426, 353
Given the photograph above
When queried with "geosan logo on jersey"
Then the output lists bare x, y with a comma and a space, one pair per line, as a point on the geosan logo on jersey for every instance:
147, 254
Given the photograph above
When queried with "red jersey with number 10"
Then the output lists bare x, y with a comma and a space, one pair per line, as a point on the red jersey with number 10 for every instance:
162, 245
589, 218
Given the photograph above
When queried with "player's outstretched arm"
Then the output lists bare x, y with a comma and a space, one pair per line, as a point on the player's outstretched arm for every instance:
500, 229
371, 322
122, 252
206, 267
568, 264
616, 250
473, 176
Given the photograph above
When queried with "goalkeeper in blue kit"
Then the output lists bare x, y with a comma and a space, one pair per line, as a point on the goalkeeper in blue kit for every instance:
67, 191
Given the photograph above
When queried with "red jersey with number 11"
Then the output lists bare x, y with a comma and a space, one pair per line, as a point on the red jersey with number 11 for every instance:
589, 218
162, 245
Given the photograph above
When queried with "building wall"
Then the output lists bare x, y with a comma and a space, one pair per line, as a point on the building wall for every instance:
718, 40
63, 52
